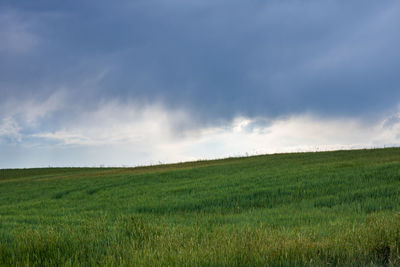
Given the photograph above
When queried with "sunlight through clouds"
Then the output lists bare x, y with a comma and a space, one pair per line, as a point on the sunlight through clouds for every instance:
153, 134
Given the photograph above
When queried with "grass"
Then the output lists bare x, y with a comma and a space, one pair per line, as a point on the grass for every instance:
305, 209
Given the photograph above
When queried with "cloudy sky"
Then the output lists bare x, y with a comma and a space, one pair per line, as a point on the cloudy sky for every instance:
89, 83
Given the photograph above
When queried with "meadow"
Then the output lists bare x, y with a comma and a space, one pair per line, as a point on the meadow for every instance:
300, 209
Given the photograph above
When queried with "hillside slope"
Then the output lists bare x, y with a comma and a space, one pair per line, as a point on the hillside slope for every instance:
337, 207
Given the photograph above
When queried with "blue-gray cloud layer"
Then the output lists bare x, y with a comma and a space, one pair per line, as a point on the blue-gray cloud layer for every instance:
217, 59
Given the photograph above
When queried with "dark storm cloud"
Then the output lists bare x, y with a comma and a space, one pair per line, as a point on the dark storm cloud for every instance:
217, 59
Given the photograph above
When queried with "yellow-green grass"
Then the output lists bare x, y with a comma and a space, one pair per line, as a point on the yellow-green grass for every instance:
325, 208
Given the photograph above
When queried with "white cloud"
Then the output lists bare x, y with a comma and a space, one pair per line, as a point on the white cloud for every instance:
25, 115
9, 129
115, 133
143, 135
296, 133
113, 123
30, 112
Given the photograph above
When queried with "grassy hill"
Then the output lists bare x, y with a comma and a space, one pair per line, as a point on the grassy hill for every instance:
340, 208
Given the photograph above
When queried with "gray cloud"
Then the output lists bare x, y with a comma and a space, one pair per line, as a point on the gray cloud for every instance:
15, 34
61, 63
217, 59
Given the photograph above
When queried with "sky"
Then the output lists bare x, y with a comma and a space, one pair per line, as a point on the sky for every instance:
139, 82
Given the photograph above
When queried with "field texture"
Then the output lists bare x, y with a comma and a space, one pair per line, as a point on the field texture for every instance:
327, 208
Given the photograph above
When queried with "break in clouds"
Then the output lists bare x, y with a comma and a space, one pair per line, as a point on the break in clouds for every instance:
88, 83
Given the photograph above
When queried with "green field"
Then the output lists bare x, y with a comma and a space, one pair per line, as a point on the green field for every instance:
325, 208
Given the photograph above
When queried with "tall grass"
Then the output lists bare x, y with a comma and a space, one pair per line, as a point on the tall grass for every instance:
306, 209
132, 241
